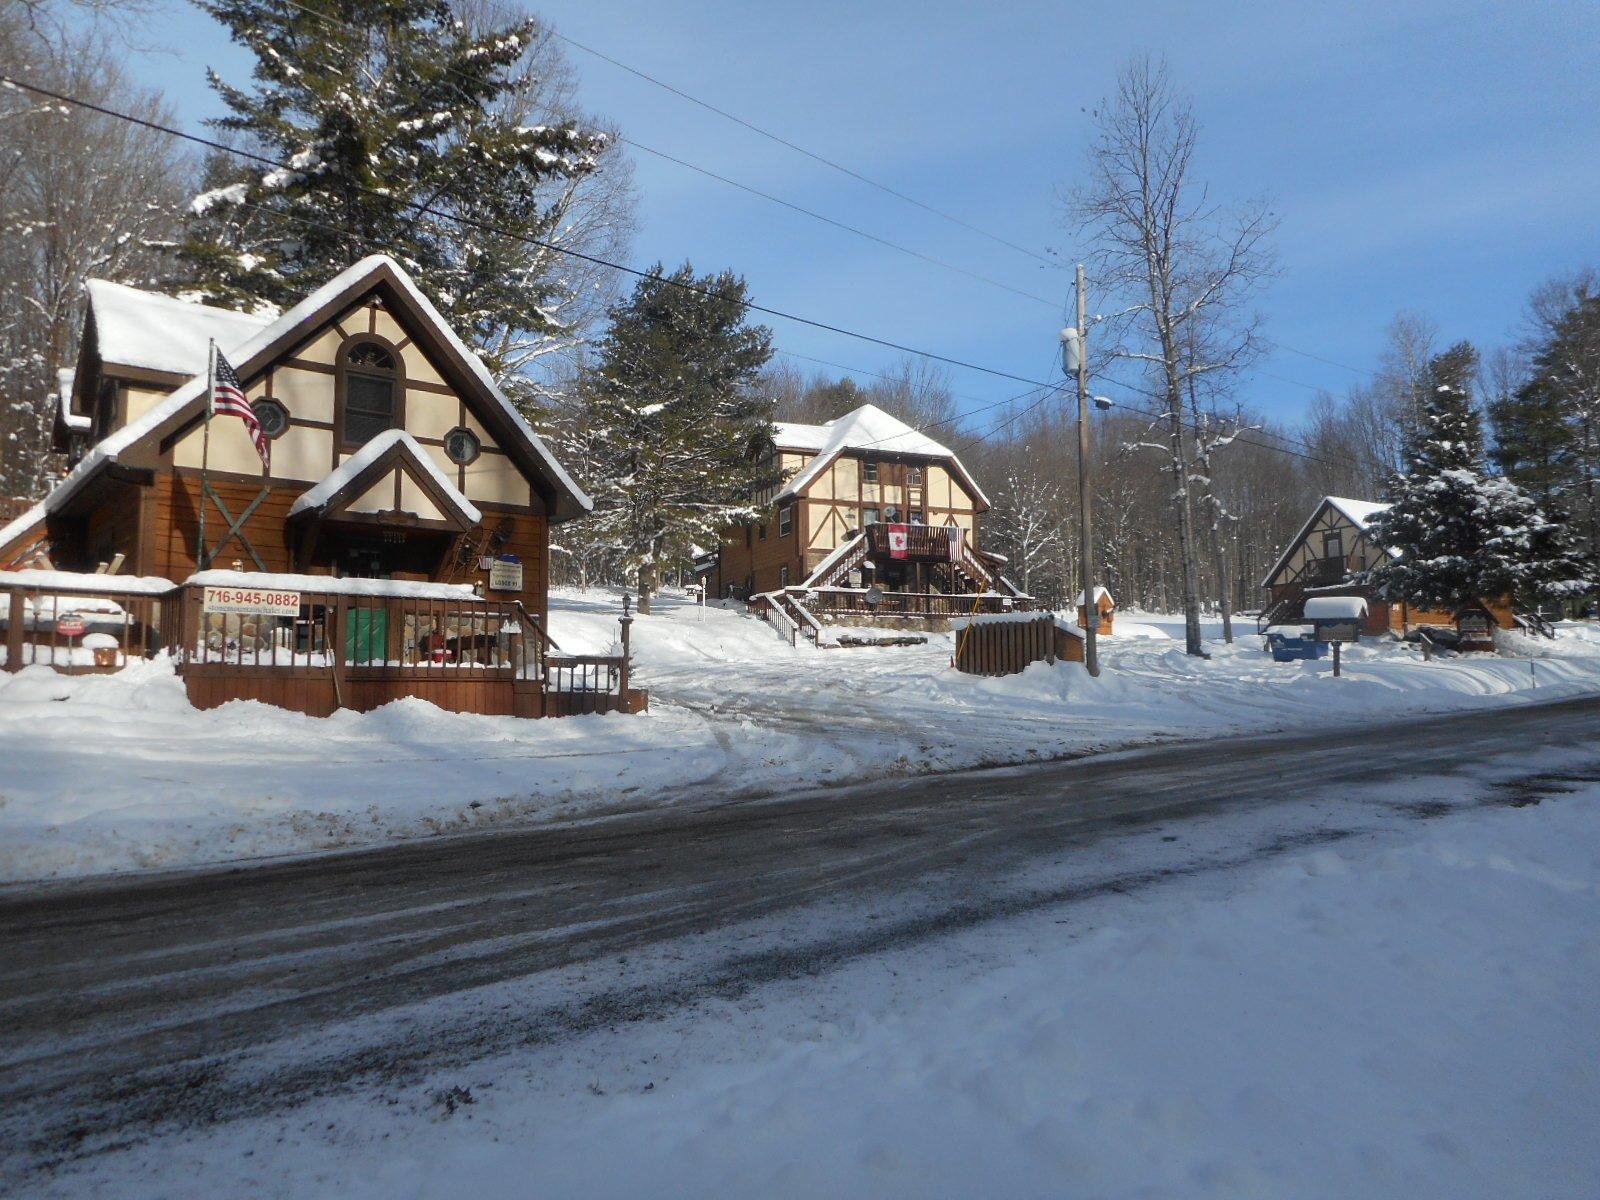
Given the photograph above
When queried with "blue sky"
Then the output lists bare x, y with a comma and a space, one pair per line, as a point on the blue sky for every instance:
1438, 157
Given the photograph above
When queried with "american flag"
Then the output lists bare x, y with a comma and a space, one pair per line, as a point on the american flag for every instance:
227, 398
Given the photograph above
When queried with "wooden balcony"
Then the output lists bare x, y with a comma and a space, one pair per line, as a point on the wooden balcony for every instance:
924, 543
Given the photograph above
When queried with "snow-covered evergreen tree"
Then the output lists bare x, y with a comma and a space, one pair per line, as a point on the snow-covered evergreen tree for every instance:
376, 107
681, 432
1462, 534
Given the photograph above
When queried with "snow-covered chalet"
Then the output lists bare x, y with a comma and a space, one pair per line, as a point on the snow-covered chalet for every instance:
874, 519
398, 544
1331, 547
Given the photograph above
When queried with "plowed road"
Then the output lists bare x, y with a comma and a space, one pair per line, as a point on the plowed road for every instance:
130, 1004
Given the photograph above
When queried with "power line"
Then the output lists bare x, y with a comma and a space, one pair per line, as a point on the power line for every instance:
798, 149
329, 19
336, 22
816, 216
487, 227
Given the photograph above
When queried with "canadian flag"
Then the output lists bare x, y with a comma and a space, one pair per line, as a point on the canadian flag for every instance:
899, 541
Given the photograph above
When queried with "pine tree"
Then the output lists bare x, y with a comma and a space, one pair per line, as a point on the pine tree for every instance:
1463, 535
376, 107
684, 432
1533, 442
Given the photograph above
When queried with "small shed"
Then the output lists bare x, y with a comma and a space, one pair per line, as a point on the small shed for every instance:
1105, 610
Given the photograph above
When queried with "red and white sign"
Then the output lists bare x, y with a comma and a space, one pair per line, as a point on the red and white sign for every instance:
270, 602
71, 625
899, 541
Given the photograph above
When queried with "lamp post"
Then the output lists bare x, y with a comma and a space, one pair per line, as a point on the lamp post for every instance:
1075, 358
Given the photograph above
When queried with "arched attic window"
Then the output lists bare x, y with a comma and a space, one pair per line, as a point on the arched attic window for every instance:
371, 390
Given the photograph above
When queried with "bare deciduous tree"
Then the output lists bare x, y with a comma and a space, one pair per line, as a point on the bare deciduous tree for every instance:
1178, 267
81, 196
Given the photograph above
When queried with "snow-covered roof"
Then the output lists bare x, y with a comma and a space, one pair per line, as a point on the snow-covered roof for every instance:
1100, 593
1335, 608
347, 471
108, 448
161, 333
865, 428
1358, 512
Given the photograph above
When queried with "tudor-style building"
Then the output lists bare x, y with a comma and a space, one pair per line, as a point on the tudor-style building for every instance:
1331, 547
393, 453
397, 546
867, 501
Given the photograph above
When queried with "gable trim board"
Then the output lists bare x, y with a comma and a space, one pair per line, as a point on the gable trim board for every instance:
1358, 512
142, 441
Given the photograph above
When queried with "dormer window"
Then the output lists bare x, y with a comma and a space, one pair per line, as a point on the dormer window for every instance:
869, 471
371, 386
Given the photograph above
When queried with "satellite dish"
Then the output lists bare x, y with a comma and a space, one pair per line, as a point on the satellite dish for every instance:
874, 595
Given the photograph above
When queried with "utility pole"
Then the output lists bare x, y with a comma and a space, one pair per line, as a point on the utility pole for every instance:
1074, 346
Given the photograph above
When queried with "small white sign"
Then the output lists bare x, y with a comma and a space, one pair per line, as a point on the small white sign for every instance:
505, 576
271, 602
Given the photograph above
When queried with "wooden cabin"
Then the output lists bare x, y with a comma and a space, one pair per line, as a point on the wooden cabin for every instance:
1105, 609
868, 505
393, 457
1331, 547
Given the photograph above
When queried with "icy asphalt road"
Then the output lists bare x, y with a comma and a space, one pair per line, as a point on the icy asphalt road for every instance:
133, 1005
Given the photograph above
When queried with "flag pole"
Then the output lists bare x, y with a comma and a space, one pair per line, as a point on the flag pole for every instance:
205, 450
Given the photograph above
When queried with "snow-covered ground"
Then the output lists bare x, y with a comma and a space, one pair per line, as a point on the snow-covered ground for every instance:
1408, 1010
119, 772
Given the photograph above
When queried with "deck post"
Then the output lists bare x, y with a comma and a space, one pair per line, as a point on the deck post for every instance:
625, 621
14, 632
339, 614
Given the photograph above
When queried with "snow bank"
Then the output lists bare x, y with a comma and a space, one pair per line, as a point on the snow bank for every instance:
119, 772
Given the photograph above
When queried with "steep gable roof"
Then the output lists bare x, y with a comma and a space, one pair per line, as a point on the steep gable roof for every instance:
186, 405
380, 456
865, 428
1358, 512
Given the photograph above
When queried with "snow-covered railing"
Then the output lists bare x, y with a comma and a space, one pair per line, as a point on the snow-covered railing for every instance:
77, 623
857, 602
773, 611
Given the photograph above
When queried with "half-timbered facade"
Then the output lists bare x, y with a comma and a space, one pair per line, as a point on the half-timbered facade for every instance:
393, 457
1331, 547
867, 502
393, 454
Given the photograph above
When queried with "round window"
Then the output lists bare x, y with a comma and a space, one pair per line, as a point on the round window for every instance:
462, 445
272, 415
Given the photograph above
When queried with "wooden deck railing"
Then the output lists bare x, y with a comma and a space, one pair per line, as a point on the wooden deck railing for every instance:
923, 542
853, 602
81, 626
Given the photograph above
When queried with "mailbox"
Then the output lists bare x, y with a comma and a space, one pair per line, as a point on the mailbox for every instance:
1337, 630
1336, 619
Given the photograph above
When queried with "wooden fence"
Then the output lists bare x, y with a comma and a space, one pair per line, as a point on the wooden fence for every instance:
1006, 647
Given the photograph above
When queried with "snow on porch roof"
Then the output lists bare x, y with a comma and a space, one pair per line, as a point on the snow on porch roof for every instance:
1335, 608
347, 472
161, 333
864, 428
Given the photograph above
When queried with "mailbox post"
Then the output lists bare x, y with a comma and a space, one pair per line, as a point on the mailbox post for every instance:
1336, 619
